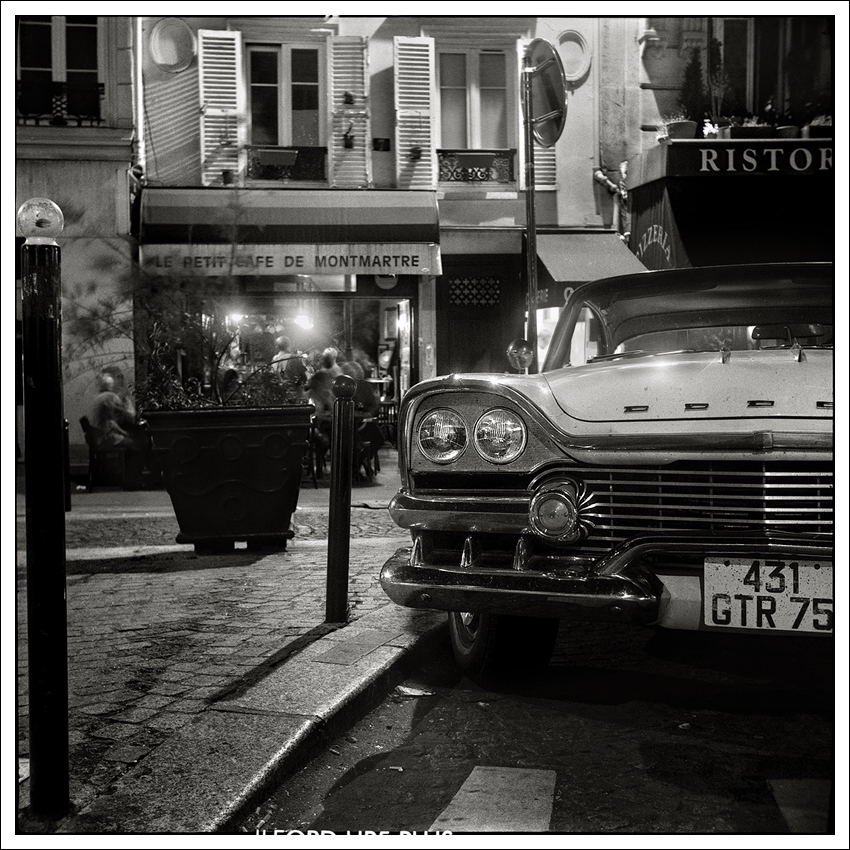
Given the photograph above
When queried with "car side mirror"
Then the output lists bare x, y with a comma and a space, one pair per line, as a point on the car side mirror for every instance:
520, 355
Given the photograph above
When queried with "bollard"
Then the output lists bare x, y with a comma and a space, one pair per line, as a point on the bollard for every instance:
40, 220
339, 517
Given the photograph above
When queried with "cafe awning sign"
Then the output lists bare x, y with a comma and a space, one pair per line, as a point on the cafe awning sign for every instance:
250, 232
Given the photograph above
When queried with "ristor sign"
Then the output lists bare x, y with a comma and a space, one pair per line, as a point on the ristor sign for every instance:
749, 157
219, 259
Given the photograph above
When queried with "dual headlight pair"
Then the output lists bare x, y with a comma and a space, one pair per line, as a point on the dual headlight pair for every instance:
499, 436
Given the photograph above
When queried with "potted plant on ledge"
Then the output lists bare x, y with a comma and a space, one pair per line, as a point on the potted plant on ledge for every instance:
820, 127
229, 448
677, 126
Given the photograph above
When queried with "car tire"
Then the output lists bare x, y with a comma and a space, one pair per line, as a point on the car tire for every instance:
490, 647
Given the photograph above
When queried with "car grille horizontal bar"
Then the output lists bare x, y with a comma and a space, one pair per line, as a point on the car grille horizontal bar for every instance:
620, 503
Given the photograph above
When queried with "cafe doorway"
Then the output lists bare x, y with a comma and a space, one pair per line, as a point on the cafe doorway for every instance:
375, 333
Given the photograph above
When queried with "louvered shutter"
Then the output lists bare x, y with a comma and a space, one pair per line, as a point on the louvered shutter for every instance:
222, 104
414, 112
545, 159
348, 81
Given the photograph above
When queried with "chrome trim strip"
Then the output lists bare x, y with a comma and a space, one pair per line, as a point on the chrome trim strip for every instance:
731, 544
450, 588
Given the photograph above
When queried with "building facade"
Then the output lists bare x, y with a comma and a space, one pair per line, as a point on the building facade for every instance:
75, 145
360, 182
371, 120
754, 181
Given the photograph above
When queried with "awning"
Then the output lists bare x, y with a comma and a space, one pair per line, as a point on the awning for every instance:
578, 257
215, 231
726, 202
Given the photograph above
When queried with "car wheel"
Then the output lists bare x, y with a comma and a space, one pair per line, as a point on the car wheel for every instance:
493, 646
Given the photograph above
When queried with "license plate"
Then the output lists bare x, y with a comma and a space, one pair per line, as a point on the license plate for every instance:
770, 595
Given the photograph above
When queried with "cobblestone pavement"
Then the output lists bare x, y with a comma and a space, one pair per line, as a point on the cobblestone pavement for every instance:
308, 523
157, 634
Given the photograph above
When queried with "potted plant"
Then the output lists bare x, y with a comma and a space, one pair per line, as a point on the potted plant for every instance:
752, 127
820, 127
677, 125
229, 446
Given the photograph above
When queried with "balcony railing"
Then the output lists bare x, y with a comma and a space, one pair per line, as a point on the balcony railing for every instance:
270, 162
493, 165
59, 104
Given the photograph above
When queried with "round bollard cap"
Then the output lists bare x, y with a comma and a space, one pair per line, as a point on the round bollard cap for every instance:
344, 387
40, 220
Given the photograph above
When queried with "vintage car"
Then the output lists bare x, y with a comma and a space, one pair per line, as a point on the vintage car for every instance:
670, 465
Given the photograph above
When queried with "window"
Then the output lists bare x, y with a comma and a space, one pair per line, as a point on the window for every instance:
775, 66
474, 97
284, 94
58, 69
736, 38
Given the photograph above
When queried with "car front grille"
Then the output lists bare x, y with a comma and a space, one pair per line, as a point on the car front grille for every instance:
706, 498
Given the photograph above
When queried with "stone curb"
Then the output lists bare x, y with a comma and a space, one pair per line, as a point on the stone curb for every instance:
210, 774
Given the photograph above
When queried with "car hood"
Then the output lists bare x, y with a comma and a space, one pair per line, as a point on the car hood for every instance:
697, 385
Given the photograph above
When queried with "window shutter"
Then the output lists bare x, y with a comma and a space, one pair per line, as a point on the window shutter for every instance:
414, 113
348, 167
222, 104
545, 160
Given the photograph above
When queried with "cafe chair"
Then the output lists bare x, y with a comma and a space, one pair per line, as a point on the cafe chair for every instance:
370, 432
311, 458
388, 420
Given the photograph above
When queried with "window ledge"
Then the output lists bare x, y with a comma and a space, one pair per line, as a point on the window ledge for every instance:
86, 143
286, 184
464, 193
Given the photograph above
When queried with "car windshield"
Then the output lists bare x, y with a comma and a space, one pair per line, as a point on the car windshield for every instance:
737, 309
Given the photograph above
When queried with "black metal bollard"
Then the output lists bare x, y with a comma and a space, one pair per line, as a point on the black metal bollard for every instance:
39, 220
339, 517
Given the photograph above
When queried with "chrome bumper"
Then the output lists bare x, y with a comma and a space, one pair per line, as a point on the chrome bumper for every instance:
618, 586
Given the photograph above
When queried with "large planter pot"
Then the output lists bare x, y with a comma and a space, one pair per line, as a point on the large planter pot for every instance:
788, 131
817, 131
233, 474
760, 131
681, 129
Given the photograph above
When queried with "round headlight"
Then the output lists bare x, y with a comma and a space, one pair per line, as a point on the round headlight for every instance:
500, 436
442, 436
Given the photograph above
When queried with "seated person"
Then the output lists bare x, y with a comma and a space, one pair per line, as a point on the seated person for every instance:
290, 365
320, 392
230, 386
365, 398
114, 425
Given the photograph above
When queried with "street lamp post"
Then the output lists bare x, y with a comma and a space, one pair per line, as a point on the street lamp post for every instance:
530, 213
544, 107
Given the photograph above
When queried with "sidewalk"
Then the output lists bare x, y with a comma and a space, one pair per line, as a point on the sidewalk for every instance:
196, 682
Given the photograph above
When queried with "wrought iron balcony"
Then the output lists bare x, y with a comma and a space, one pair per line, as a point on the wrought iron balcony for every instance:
59, 104
495, 165
271, 162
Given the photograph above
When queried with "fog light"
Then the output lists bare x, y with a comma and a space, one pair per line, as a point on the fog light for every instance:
553, 513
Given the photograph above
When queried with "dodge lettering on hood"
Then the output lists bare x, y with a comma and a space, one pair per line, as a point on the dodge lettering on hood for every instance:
670, 465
